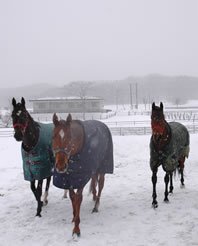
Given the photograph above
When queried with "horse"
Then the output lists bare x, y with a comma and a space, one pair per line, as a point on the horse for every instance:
36, 150
169, 147
83, 150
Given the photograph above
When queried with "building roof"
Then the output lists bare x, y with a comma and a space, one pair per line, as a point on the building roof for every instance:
64, 99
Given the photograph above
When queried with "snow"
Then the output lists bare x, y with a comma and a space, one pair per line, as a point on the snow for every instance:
125, 215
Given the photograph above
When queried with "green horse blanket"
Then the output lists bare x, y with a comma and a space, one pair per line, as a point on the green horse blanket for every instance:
38, 163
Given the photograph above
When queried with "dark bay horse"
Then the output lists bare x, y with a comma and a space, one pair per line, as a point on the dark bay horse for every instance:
169, 146
83, 150
36, 149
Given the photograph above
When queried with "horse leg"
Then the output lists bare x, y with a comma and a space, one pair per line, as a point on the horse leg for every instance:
72, 198
171, 183
76, 202
65, 194
166, 180
45, 201
154, 181
100, 187
93, 185
181, 169
37, 193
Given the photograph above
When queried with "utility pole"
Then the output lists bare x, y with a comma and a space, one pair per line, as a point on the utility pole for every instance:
131, 96
136, 95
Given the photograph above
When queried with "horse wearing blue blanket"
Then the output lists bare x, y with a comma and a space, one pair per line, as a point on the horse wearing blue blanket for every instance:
169, 146
83, 150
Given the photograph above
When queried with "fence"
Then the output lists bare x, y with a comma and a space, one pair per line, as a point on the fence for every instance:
121, 131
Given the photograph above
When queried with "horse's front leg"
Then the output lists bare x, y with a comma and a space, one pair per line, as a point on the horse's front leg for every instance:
37, 193
171, 183
100, 187
45, 200
154, 181
76, 202
72, 196
166, 180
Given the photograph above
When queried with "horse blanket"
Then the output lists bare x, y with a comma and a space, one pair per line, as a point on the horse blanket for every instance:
175, 149
38, 163
95, 156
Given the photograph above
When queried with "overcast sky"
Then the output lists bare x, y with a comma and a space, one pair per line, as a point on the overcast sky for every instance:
57, 41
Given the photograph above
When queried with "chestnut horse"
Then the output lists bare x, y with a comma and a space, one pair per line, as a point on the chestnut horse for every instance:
169, 146
82, 150
36, 150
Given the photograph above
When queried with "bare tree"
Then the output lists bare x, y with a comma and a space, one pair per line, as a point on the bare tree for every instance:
81, 89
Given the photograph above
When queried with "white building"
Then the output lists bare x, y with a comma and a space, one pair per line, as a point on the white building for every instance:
68, 105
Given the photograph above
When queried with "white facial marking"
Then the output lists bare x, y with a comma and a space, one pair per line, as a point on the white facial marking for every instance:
19, 112
61, 133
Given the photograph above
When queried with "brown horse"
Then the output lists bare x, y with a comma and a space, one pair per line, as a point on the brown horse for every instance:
82, 150
169, 146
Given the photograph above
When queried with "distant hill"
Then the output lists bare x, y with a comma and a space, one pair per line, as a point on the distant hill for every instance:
175, 89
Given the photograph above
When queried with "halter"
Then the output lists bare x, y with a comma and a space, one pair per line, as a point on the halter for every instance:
158, 128
66, 151
21, 126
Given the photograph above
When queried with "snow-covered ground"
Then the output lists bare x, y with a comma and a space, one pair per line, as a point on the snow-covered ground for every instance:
125, 217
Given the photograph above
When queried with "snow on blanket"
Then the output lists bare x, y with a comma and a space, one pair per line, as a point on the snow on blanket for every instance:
95, 156
125, 217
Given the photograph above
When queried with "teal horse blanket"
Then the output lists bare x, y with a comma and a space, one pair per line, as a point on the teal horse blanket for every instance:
96, 156
38, 163
175, 149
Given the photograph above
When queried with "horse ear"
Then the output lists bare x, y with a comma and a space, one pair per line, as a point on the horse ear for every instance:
23, 102
55, 119
161, 106
69, 119
153, 105
14, 102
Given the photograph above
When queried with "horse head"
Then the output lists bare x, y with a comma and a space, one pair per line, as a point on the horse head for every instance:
20, 118
62, 142
157, 119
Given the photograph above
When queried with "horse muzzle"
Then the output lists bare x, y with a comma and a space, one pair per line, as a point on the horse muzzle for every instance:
18, 136
60, 168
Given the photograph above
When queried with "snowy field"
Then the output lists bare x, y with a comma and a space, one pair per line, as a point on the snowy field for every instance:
125, 217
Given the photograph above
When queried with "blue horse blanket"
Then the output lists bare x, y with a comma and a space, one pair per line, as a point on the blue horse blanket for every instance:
175, 149
96, 156
38, 163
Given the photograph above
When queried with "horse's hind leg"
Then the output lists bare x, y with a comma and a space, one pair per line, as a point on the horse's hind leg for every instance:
37, 193
93, 185
65, 194
100, 187
181, 169
45, 200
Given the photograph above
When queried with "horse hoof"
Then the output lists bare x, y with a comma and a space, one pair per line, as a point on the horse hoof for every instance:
182, 186
45, 203
154, 205
166, 200
95, 210
38, 215
75, 234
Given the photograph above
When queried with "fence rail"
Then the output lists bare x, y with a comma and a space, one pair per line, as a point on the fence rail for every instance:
121, 131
